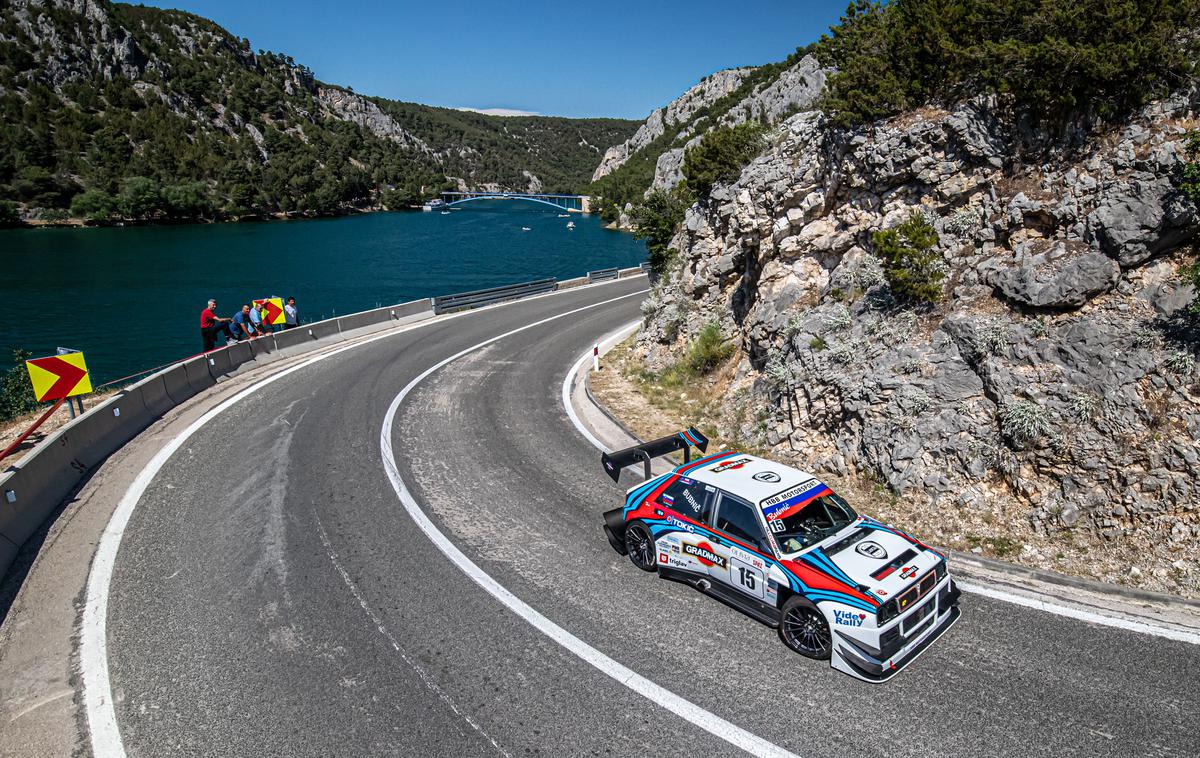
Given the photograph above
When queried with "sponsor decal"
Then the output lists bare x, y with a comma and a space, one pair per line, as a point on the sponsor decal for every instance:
736, 463
685, 526
685, 481
881, 593
703, 552
750, 559
871, 549
849, 618
908, 572
608, 465
662, 558
766, 476
788, 494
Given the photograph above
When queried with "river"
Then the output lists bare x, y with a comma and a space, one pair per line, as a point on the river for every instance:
130, 298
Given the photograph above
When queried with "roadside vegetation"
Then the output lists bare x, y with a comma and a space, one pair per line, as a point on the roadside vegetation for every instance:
1059, 61
16, 391
912, 265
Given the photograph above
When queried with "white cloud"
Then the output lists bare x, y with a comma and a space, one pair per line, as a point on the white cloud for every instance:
500, 111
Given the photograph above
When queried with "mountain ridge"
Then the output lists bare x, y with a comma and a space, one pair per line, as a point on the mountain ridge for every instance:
95, 94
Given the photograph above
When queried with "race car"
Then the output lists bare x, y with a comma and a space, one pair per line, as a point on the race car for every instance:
779, 545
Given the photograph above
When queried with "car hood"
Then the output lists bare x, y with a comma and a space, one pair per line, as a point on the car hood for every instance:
878, 558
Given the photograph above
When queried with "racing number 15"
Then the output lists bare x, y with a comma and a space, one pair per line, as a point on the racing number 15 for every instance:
746, 576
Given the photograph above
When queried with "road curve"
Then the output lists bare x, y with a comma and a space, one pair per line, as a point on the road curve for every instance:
272, 596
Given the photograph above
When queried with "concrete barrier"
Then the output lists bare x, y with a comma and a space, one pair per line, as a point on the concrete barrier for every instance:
198, 375
39, 482
357, 324
636, 270
104, 429
154, 394
8, 551
264, 349
567, 284
295, 341
175, 380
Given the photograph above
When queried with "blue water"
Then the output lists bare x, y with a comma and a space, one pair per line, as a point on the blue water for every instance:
130, 298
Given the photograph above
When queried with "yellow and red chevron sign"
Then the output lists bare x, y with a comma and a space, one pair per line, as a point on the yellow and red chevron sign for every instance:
59, 376
272, 310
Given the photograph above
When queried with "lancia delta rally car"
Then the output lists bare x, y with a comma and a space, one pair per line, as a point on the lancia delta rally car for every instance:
777, 544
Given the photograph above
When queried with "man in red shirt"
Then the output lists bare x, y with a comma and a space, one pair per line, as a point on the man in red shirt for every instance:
211, 325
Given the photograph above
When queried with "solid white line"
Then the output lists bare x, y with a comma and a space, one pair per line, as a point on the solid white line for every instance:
569, 385
657, 694
1179, 635
93, 644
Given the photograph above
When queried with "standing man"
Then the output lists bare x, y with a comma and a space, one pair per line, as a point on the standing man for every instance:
211, 325
291, 317
241, 327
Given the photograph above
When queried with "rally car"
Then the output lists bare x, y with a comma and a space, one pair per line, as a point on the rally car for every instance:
782, 547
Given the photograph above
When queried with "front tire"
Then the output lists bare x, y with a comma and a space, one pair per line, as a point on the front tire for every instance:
803, 628
639, 543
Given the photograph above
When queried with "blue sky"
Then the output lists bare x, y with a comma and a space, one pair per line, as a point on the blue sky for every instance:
617, 58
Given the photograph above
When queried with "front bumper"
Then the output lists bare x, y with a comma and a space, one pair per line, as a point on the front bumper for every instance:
901, 641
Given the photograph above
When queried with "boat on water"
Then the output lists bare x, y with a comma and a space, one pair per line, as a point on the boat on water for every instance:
437, 204
524, 228
570, 224
564, 215
445, 213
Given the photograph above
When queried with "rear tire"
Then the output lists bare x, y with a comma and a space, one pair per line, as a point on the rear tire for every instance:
639, 543
803, 628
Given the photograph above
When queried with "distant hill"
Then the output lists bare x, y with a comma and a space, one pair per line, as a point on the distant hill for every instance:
111, 111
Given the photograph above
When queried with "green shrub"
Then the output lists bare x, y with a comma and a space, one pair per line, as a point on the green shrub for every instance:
1054, 58
16, 391
657, 219
1191, 275
913, 268
721, 155
94, 205
1190, 183
9, 215
139, 198
710, 350
1024, 421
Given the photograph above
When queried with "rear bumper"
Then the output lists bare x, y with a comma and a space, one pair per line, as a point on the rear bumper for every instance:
862, 661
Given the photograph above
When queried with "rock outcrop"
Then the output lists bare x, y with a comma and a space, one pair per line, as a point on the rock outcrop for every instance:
1058, 371
689, 117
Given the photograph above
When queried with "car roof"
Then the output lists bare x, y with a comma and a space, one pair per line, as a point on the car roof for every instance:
736, 474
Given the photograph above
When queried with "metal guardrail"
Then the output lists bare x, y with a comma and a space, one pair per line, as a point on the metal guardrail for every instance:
603, 274
645, 267
476, 298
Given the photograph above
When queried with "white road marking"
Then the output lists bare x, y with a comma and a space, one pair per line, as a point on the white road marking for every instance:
1179, 635
93, 643
710, 722
568, 385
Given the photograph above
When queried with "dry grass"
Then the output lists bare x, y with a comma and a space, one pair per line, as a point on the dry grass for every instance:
11, 430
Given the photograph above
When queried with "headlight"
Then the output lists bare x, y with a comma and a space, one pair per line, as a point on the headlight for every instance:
886, 612
940, 570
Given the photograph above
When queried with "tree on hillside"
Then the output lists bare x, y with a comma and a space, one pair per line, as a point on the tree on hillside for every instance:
657, 219
721, 155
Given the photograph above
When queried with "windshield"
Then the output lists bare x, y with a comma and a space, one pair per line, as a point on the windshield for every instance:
805, 523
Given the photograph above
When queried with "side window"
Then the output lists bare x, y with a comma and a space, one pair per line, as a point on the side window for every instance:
736, 518
689, 497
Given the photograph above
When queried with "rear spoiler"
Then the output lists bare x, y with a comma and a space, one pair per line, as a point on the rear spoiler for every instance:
619, 459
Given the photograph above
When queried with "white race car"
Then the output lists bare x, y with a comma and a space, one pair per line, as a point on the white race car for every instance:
777, 544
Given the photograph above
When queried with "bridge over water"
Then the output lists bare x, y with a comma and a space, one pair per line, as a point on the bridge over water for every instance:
570, 203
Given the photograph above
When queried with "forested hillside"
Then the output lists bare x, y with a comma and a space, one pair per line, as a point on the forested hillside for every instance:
111, 111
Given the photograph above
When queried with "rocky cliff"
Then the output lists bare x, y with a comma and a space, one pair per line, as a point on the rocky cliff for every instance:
727, 98
1057, 375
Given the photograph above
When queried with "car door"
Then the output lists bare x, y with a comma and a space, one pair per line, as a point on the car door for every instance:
746, 569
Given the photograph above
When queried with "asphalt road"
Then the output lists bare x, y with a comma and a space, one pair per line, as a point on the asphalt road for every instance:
273, 597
